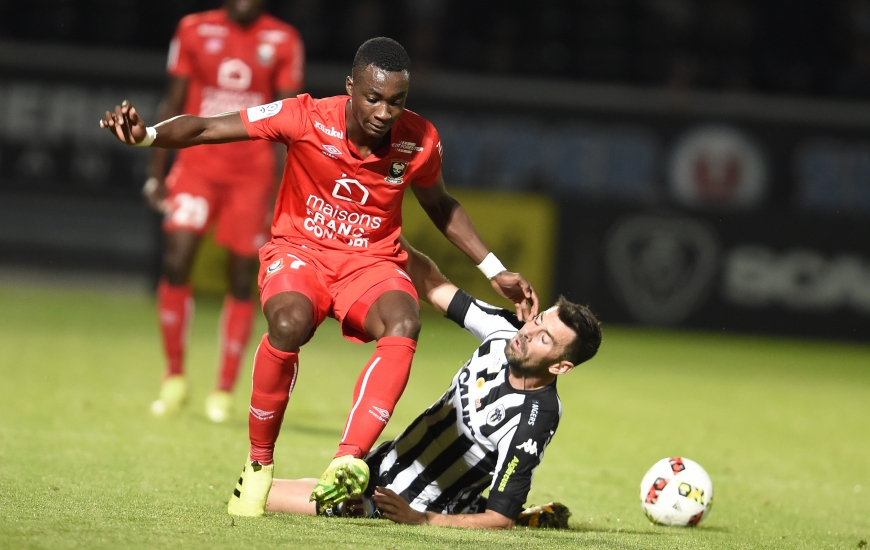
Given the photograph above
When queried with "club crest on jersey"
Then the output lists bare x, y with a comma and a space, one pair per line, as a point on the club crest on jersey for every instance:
495, 416
275, 266
396, 171
265, 53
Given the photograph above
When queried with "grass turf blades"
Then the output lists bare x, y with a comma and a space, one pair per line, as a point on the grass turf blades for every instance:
781, 426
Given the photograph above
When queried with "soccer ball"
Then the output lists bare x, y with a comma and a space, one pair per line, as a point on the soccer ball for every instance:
676, 491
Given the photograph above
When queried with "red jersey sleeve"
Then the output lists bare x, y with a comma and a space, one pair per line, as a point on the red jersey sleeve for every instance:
179, 62
280, 121
427, 175
291, 66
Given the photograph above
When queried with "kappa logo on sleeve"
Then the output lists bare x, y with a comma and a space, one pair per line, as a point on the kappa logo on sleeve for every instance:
530, 446
264, 111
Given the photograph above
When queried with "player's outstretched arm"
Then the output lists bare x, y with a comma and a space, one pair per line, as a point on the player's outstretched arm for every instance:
431, 285
394, 508
176, 133
451, 218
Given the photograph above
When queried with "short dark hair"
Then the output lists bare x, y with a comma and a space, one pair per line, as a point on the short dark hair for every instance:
587, 330
384, 53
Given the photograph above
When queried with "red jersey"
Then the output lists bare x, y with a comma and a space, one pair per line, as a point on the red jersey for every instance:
230, 67
331, 196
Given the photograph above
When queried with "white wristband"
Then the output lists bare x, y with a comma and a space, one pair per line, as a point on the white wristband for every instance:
491, 266
150, 136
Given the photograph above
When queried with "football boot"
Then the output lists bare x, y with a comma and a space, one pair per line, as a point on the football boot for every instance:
173, 396
346, 477
252, 490
218, 405
547, 516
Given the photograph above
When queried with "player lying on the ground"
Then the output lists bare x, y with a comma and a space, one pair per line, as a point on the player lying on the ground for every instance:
489, 429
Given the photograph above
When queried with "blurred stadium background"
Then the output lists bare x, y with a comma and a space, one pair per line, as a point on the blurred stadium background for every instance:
705, 163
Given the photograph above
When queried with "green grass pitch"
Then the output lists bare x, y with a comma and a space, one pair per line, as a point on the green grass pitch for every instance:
782, 426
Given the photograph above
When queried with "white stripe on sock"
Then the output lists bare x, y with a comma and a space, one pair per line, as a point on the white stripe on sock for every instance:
362, 392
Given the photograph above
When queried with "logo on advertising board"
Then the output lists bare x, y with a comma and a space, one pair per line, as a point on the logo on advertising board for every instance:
661, 268
718, 166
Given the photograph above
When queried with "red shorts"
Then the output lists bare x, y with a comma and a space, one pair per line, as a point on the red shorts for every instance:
343, 285
238, 208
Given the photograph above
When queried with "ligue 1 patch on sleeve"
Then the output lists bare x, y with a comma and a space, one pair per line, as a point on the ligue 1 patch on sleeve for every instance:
264, 111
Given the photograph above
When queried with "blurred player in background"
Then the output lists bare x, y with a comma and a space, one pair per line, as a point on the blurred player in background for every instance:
222, 60
488, 430
335, 248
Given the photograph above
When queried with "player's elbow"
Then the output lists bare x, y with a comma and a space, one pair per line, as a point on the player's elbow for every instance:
498, 521
506, 524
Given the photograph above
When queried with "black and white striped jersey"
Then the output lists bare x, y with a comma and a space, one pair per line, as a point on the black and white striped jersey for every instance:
481, 433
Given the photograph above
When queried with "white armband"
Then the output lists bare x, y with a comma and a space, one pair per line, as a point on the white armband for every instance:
150, 136
491, 266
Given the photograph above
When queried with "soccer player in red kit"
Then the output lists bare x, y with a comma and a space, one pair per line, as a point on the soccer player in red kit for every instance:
335, 248
221, 60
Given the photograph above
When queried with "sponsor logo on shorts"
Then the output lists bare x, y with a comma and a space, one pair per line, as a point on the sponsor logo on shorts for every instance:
495, 416
264, 111
530, 446
511, 467
275, 266
396, 171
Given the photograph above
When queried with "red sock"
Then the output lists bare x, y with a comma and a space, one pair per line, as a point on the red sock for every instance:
174, 309
235, 330
377, 391
274, 378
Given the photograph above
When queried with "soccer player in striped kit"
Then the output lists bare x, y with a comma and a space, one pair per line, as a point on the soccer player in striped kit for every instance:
488, 430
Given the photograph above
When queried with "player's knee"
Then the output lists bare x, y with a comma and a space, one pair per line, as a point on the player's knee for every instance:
408, 326
176, 268
288, 329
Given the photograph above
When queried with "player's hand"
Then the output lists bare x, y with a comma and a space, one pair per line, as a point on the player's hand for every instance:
125, 123
518, 290
154, 191
394, 508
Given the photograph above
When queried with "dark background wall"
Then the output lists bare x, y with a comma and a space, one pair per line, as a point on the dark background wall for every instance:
814, 48
710, 159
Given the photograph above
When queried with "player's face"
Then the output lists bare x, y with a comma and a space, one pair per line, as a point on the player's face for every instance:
540, 343
244, 11
377, 99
